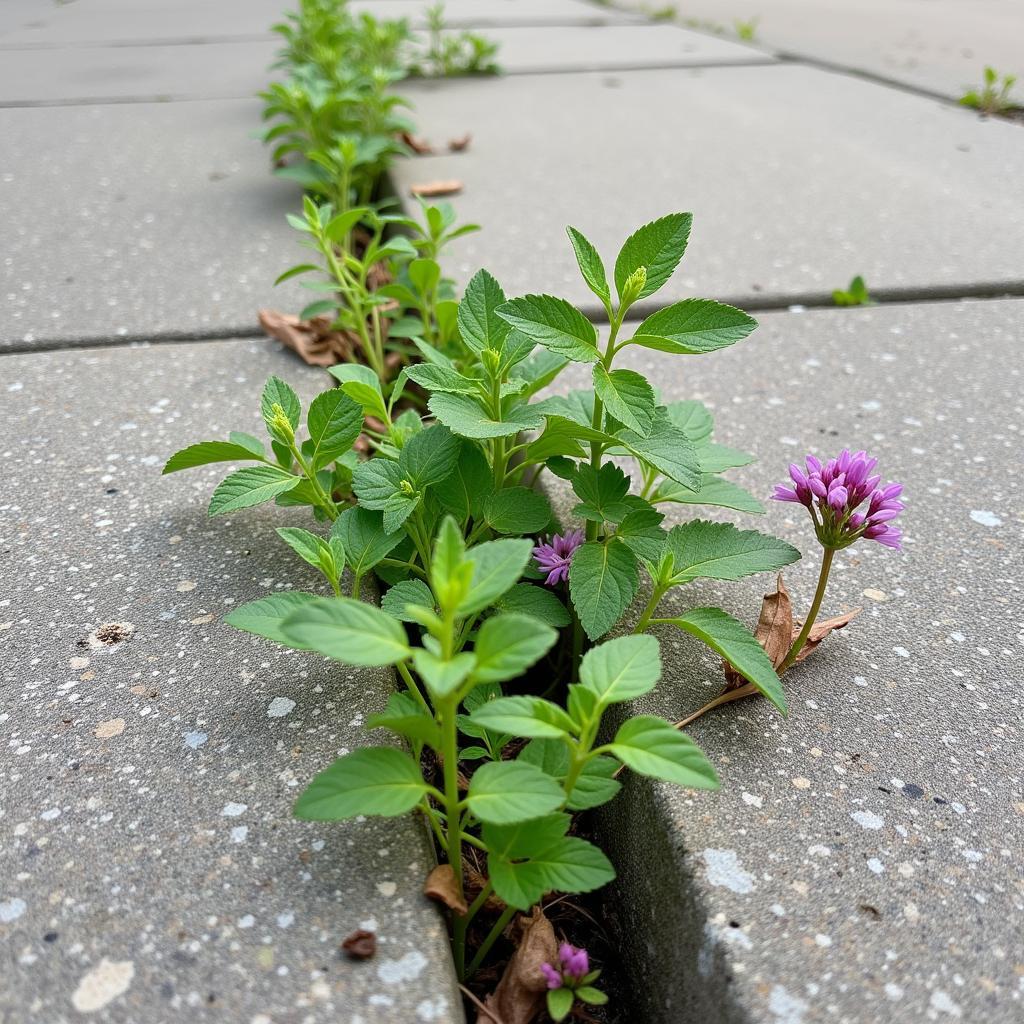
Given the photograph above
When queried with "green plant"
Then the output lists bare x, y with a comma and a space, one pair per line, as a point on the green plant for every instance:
449, 54
746, 29
994, 95
855, 295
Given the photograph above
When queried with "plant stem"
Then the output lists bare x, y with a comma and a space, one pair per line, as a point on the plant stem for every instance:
819, 594
450, 757
326, 502
645, 619
414, 690
492, 936
597, 420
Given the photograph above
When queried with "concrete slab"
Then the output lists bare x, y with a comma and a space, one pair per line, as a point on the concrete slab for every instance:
151, 869
937, 45
617, 47
153, 73
861, 862
133, 220
492, 13
799, 179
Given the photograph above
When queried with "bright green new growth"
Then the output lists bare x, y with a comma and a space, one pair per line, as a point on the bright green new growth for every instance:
855, 295
994, 95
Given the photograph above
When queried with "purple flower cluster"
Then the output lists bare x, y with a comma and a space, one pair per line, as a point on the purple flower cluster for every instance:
833, 493
574, 965
554, 556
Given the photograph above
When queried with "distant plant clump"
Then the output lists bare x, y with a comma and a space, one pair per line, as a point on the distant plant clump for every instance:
993, 98
856, 294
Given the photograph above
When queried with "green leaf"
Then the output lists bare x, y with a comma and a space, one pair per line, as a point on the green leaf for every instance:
667, 449
693, 327
596, 784
468, 418
207, 452
251, 486
443, 676
560, 1002
375, 481
658, 247
429, 457
718, 551
734, 642
308, 546
590, 265
602, 492
692, 418
567, 864
407, 592
532, 717
318, 308
334, 421
590, 995
508, 644
362, 385
621, 669
424, 274
497, 565
450, 571
264, 617
338, 227
516, 842
301, 268
554, 323
627, 396
517, 510
366, 542
247, 441
505, 792
465, 491
277, 392
654, 747
527, 599
433, 378
717, 458
348, 631
540, 369
603, 579
377, 781
713, 491
479, 327
406, 717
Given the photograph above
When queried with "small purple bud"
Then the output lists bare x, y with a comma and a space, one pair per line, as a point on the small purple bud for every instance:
817, 485
553, 977
786, 494
813, 465
837, 497
856, 521
797, 475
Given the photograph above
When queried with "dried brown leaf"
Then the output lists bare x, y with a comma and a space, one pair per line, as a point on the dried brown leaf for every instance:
460, 144
774, 632
520, 994
821, 629
313, 340
440, 886
448, 187
360, 945
416, 144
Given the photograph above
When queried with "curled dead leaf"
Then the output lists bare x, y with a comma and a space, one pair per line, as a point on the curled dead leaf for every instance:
821, 629
520, 994
440, 886
313, 340
774, 632
418, 145
448, 187
360, 945
460, 144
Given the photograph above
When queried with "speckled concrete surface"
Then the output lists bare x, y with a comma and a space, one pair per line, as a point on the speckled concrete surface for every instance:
140, 219
799, 179
861, 862
150, 869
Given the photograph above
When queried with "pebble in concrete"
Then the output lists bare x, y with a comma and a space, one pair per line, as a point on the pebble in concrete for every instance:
150, 868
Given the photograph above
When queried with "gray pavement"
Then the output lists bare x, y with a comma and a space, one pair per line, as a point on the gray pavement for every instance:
938, 46
861, 862
799, 179
151, 869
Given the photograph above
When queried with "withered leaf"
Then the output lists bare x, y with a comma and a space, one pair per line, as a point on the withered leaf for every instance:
313, 340
520, 994
440, 886
416, 144
774, 632
460, 144
360, 945
447, 187
821, 629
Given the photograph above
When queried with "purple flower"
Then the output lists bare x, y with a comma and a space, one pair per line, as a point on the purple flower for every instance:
554, 556
573, 967
833, 492
553, 976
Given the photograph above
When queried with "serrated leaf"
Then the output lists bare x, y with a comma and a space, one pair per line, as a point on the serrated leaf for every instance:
701, 549
692, 418
479, 327
667, 449
251, 486
349, 631
654, 747
376, 480
602, 492
207, 452
717, 458
366, 542
434, 378
627, 396
506, 792
517, 510
308, 546
658, 247
693, 327
405, 716
465, 491
334, 422
554, 323
621, 669
590, 264
734, 642
362, 385
713, 491
407, 592
527, 599
277, 392
378, 781
468, 418
264, 617
603, 579
429, 457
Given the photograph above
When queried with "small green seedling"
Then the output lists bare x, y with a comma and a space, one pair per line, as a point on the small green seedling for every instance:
746, 30
855, 295
994, 95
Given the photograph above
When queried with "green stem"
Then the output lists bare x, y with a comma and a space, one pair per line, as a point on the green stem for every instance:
324, 499
356, 580
597, 420
652, 605
819, 594
414, 690
450, 757
492, 936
